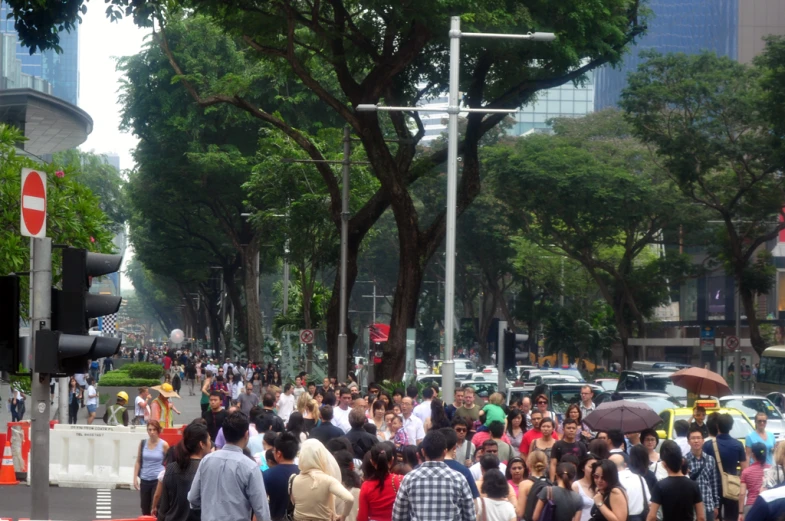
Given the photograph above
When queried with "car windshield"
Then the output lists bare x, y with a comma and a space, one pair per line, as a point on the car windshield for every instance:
752, 406
664, 384
741, 427
421, 365
483, 389
658, 404
562, 397
609, 385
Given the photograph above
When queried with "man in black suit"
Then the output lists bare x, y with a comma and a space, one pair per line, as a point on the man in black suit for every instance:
326, 431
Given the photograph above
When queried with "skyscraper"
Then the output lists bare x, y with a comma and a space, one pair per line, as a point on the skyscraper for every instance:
59, 71
732, 28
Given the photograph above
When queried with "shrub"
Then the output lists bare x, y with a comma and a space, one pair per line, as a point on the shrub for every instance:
123, 379
144, 370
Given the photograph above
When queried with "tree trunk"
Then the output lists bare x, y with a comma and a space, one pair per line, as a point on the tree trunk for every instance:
753, 324
242, 323
333, 315
253, 312
404, 311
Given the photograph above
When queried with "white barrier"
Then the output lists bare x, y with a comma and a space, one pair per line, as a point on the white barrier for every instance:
93, 456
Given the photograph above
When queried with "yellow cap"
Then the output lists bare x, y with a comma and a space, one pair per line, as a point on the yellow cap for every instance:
123, 395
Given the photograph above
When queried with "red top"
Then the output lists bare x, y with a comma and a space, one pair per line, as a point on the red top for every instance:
530, 436
378, 504
167, 362
752, 476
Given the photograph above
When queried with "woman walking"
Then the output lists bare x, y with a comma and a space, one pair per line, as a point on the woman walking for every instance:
752, 479
174, 505
319, 482
584, 486
438, 419
378, 412
377, 493
538, 464
546, 443
610, 501
149, 463
515, 431
516, 468
204, 400
494, 505
74, 399
567, 503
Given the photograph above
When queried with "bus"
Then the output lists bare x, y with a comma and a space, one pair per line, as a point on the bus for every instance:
771, 375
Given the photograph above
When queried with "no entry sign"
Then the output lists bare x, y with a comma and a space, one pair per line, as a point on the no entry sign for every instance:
33, 203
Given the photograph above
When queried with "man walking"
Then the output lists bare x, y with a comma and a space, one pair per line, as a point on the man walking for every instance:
326, 431
91, 400
229, 470
341, 413
423, 410
677, 495
276, 478
248, 400
587, 407
433, 491
731, 455
215, 415
703, 470
285, 402
411, 423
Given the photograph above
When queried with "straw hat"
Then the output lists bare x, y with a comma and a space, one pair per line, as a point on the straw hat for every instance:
166, 390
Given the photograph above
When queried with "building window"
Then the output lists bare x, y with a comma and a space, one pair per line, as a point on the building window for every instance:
688, 300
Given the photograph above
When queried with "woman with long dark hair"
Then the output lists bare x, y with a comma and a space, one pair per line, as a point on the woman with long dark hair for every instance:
610, 501
179, 475
584, 486
516, 428
639, 464
349, 479
438, 419
296, 426
515, 473
74, 399
378, 492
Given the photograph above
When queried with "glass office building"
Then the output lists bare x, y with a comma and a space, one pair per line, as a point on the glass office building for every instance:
565, 101
59, 71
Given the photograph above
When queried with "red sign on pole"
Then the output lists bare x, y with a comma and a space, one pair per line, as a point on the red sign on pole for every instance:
33, 219
732, 343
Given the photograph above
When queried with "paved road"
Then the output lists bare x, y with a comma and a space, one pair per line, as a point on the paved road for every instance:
72, 504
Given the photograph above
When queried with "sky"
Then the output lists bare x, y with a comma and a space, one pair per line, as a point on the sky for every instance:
101, 42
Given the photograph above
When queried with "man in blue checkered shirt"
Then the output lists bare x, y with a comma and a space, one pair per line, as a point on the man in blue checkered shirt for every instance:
702, 470
433, 491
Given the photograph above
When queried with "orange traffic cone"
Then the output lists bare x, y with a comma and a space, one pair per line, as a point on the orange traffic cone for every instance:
7, 474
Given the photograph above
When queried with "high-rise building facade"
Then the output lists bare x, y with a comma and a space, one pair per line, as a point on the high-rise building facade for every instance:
732, 28
58, 72
564, 101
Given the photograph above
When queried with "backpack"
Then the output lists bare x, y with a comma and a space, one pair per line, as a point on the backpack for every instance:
549, 510
531, 498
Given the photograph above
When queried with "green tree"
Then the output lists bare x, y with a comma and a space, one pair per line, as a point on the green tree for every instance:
709, 121
74, 216
591, 193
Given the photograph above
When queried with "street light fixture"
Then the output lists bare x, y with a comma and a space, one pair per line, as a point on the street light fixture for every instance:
453, 109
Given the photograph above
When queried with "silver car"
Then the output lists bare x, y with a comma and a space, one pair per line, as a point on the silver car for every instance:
750, 405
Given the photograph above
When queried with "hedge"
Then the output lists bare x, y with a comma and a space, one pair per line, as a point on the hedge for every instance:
144, 370
121, 378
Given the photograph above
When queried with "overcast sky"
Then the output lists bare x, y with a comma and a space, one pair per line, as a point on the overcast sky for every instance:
101, 42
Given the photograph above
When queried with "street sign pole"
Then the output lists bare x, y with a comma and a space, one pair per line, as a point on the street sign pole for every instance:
343, 341
500, 354
737, 353
41, 261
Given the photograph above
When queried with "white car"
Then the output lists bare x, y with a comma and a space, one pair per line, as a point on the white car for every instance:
751, 405
488, 372
421, 367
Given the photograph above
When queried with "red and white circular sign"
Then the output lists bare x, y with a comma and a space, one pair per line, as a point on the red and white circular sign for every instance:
306, 336
33, 222
732, 343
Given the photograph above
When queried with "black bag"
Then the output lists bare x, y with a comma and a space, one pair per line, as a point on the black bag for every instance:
531, 498
289, 515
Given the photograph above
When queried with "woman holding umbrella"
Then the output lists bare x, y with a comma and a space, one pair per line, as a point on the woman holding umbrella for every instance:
161, 408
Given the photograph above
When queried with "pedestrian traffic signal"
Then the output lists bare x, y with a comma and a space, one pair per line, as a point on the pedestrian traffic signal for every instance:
69, 348
509, 349
9, 323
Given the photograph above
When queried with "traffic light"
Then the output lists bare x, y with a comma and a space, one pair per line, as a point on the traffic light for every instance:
68, 347
509, 349
9, 323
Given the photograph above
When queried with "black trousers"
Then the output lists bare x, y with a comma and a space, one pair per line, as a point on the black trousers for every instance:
147, 491
730, 509
73, 411
204, 406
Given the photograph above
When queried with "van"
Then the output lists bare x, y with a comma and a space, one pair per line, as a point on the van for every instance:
658, 381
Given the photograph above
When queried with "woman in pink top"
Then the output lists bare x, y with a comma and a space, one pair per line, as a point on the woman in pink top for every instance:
752, 479
377, 494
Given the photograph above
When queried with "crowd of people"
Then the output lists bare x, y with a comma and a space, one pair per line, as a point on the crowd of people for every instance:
308, 451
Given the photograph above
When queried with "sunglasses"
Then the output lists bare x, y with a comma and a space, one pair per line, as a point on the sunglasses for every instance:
541, 402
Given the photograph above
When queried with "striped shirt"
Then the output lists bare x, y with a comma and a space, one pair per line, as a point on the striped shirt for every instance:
752, 477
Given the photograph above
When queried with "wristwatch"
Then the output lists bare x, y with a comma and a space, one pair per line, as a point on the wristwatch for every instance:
600, 505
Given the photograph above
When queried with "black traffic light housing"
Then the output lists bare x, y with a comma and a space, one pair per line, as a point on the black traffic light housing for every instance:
9, 323
68, 347
509, 349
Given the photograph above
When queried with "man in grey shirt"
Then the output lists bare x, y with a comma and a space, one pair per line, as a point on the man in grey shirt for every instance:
228, 485
248, 400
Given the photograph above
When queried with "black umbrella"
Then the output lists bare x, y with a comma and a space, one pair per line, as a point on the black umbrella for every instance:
624, 415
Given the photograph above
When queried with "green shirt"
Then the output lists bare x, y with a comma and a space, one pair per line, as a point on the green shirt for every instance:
493, 413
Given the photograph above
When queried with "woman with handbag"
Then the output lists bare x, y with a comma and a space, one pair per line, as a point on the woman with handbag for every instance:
560, 502
494, 504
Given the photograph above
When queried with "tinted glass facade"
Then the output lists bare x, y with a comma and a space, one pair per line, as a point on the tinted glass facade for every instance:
560, 102
60, 72
688, 26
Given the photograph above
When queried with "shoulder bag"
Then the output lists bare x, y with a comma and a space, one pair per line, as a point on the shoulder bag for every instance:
549, 509
289, 515
731, 485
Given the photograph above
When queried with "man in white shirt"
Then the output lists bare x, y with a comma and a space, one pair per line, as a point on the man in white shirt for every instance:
487, 447
423, 411
341, 413
411, 423
638, 493
286, 403
587, 407
298, 387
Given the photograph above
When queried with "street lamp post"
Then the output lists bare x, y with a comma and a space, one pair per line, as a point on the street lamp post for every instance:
453, 110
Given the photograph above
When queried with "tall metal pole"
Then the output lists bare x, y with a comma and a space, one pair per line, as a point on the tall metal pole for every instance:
41, 260
286, 277
62, 400
737, 354
453, 109
500, 355
374, 302
342, 338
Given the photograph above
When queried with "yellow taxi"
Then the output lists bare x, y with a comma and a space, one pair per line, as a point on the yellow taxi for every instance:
741, 424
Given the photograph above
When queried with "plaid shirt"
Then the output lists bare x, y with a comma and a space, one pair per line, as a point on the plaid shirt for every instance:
707, 480
434, 492
400, 439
